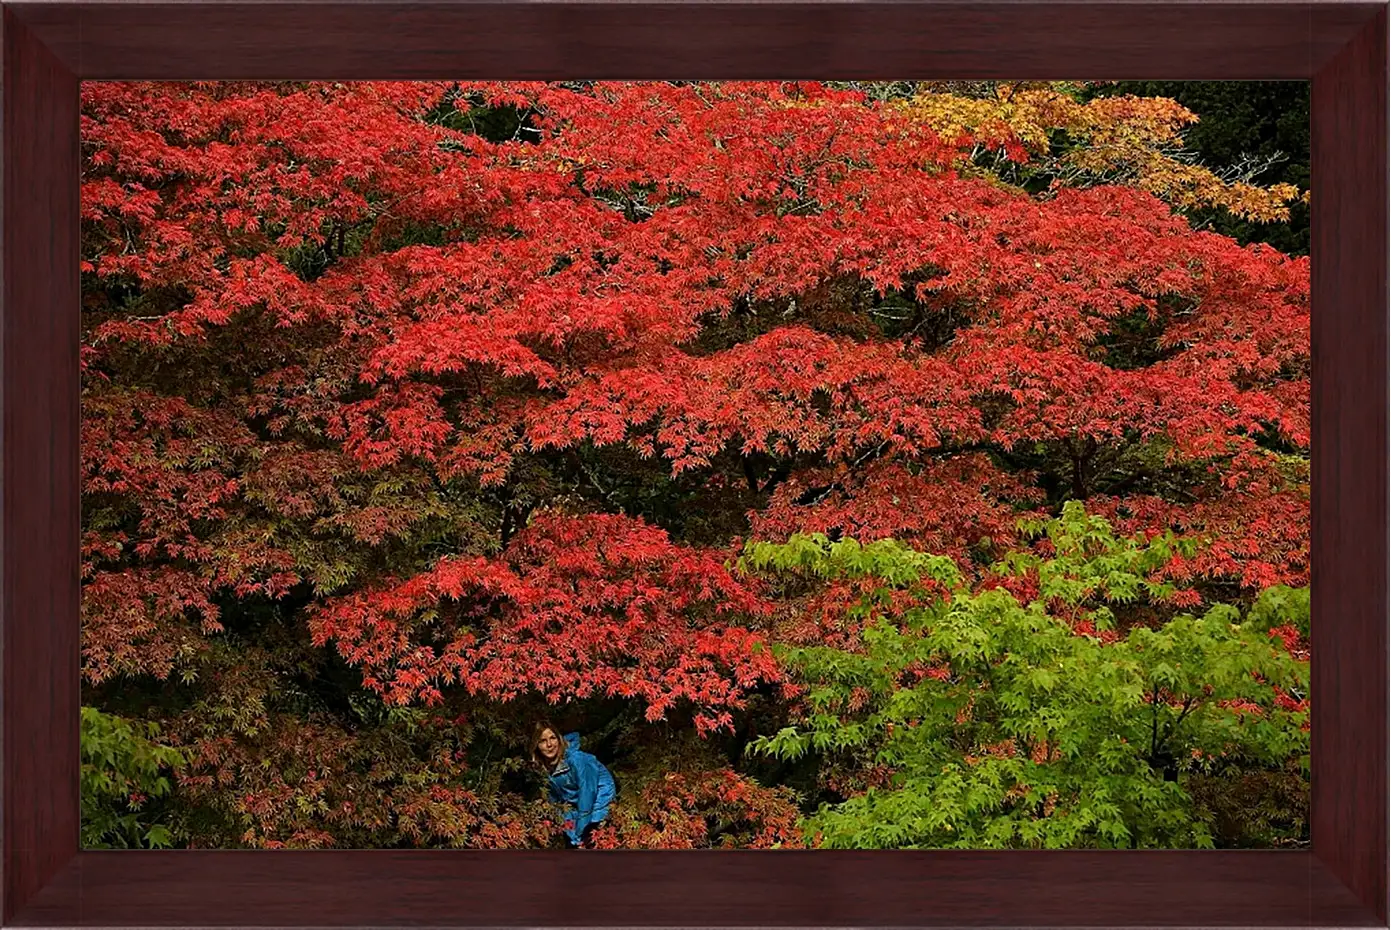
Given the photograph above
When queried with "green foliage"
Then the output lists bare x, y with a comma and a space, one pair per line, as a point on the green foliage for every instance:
1278, 606
885, 559
124, 774
1000, 725
1088, 561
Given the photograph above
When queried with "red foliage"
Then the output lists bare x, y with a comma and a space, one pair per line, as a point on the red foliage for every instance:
577, 271
948, 506
292, 784
1254, 523
715, 808
333, 345
576, 607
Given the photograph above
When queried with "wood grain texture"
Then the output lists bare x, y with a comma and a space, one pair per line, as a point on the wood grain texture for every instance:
689, 40
809, 888
48, 46
38, 480
1348, 648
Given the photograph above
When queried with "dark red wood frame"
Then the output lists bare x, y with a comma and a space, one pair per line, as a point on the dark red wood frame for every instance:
49, 47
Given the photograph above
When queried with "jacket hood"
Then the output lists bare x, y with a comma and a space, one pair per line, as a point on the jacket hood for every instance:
572, 740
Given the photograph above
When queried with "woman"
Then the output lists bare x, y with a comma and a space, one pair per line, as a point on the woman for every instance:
578, 781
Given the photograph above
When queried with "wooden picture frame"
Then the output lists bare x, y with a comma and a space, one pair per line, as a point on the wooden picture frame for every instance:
49, 47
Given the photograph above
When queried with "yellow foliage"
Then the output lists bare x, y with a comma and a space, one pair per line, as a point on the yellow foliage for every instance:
1118, 140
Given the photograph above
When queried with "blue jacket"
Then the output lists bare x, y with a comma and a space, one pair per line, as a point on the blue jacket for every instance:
582, 784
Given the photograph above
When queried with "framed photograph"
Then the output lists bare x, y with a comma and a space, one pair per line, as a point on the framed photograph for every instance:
710, 464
